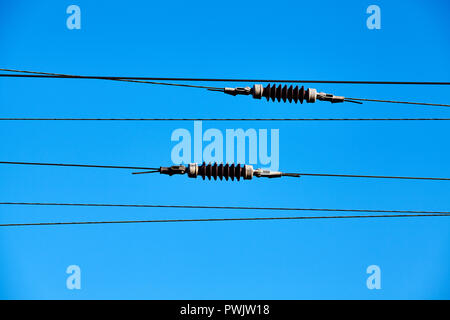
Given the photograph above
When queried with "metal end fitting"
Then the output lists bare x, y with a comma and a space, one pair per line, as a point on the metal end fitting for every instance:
238, 90
172, 170
257, 91
262, 173
322, 96
192, 170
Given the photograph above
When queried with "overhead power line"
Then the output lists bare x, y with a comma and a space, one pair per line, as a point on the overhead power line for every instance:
218, 220
270, 92
56, 75
396, 214
220, 171
219, 207
224, 119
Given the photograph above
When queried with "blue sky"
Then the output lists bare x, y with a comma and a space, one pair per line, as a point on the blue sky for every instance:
235, 260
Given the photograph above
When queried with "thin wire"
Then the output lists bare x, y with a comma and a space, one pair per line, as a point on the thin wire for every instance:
361, 176
59, 75
155, 170
220, 219
401, 102
42, 75
220, 207
76, 165
145, 172
224, 119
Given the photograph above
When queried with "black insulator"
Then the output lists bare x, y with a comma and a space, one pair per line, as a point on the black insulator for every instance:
221, 171
291, 94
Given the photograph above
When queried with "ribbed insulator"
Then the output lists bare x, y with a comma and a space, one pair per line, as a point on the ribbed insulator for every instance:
221, 171
291, 94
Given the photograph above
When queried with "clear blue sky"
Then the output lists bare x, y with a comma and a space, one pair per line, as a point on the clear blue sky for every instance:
240, 260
